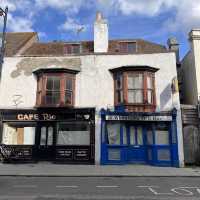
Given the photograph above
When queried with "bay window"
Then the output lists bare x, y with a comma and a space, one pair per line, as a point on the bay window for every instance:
55, 89
135, 88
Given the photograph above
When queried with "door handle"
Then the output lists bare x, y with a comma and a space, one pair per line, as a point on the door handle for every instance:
136, 146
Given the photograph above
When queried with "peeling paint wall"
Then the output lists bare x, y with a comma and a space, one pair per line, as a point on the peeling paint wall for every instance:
29, 65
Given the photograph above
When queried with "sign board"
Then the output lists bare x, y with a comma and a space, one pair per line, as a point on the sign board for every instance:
138, 118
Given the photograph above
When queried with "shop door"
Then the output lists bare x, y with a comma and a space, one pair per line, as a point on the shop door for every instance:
46, 147
136, 148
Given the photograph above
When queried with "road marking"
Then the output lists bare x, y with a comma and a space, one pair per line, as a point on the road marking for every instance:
25, 186
66, 186
107, 186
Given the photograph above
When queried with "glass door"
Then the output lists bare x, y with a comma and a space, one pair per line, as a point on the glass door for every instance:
137, 148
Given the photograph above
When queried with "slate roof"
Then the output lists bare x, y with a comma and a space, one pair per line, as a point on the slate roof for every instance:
58, 48
15, 41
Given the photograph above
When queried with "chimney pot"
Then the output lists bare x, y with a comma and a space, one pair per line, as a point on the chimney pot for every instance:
99, 16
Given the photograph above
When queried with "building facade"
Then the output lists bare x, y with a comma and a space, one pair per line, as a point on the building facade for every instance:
189, 80
102, 101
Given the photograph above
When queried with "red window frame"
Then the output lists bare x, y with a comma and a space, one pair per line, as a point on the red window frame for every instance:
144, 105
42, 90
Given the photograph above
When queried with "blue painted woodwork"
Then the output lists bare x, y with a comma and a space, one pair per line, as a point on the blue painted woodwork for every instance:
137, 153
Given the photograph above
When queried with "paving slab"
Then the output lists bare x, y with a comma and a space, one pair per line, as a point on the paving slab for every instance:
49, 169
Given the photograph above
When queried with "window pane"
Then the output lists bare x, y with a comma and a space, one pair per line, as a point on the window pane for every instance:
119, 96
164, 154
17, 133
52, 97
73, 134
119, 82
29, 135
68, 97
135, 81
43, 136
53, 83
113, 133
50, 136
75, 48
135, 96
132, 135
124, 135
49, 85
150, 96
149, 136
139, 136
56, 82
68, 85
123, 47
149, 82
114, 154
162, 137
131, 47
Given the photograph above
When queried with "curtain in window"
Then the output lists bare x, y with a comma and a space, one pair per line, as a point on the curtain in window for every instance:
149, 89
132, 135
53, 90
139, 135
135, 88
162, 137
135, 96
113, 133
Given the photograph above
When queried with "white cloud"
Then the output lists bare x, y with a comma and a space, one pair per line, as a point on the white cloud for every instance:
186, 18
15, 22
19, 24
186, 12
72, 25
67, 6
24, 13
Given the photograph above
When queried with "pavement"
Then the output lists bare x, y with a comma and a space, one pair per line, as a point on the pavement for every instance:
63, 170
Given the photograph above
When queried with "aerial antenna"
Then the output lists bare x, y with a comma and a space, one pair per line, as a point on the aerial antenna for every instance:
80, 29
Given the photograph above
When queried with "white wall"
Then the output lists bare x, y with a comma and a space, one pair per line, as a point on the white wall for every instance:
196, 54
94, 84
191, 70
189, 81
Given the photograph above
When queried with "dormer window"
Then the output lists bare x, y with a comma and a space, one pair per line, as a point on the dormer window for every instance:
55, 89
127, 47
135, 88
72, 49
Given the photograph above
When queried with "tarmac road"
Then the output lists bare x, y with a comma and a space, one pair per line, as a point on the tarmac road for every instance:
137, 188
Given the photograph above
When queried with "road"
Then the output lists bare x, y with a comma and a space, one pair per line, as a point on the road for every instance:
75, 188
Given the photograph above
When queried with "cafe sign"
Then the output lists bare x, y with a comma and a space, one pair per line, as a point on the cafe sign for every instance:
35, 117
138, 118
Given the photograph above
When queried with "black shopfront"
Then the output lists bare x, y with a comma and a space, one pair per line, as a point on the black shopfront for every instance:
60, 135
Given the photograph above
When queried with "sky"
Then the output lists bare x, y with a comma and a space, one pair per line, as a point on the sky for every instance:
153, 20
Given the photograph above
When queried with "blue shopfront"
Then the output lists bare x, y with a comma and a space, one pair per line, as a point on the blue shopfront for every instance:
139, 138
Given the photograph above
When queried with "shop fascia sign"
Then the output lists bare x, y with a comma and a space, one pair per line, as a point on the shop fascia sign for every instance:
35, 117
138, 118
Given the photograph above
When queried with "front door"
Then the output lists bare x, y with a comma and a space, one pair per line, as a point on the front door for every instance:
46, 138
136, 149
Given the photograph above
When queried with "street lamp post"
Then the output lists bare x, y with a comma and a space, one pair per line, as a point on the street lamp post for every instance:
3, 13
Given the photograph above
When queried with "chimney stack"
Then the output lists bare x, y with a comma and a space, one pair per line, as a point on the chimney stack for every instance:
100, 34
174, 46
